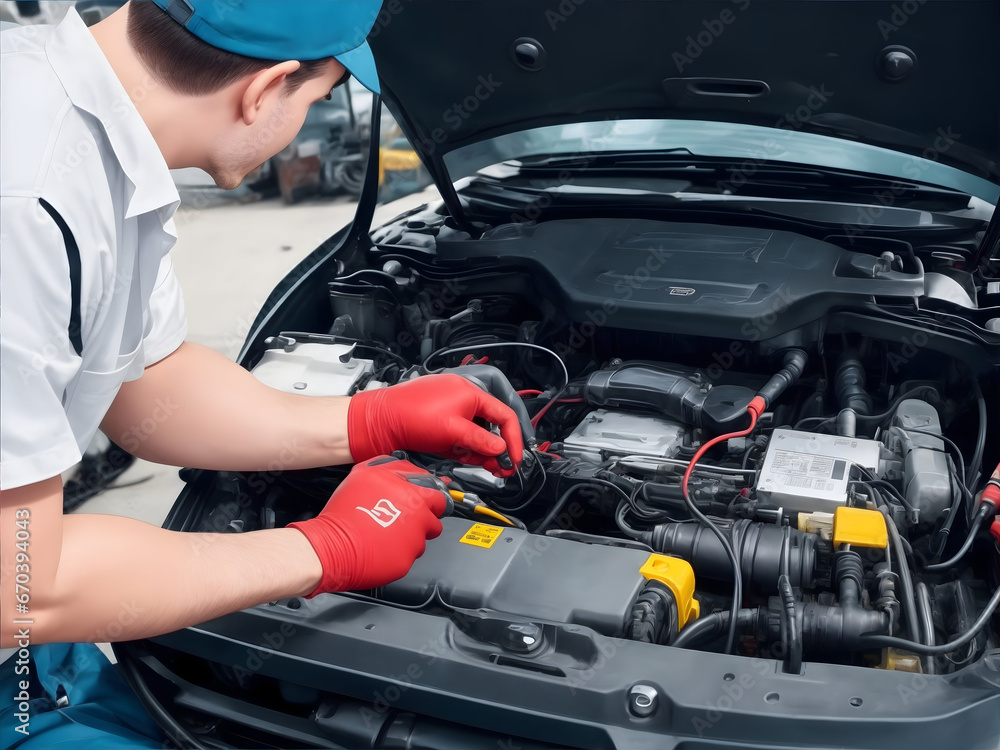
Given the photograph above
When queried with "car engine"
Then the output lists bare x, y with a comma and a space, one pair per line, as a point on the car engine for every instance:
809, 497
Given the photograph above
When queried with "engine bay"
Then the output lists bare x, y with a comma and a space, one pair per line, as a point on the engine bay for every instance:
844, 525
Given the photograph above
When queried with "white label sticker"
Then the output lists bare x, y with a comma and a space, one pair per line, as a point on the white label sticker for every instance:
800, 466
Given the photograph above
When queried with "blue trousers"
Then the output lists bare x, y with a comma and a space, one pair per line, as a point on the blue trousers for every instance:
102, 711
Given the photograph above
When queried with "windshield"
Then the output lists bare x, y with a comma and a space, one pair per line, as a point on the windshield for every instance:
751, 144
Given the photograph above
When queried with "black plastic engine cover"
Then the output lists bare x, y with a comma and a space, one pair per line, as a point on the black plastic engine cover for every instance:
731, 282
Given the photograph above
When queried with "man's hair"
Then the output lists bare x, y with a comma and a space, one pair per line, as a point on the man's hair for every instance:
185, 64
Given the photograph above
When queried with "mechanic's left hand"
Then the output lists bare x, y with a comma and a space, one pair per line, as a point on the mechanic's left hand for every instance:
434, 414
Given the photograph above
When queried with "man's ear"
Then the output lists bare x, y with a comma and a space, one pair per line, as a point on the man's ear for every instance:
267, 82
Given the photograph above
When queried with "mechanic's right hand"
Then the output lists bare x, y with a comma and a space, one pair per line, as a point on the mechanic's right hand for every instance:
434, 414
374, 526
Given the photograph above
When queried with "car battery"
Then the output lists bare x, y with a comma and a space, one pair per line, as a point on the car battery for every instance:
475, 565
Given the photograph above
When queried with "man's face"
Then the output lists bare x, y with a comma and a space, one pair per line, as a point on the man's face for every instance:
278, 121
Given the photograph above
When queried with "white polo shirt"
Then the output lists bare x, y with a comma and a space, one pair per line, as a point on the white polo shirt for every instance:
88, 297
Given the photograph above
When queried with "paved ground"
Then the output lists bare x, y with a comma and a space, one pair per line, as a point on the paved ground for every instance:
229, 256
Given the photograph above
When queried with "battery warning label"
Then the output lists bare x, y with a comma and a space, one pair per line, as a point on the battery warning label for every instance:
481, 535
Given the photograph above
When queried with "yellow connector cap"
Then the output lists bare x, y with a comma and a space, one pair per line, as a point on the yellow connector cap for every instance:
678, 576
860, 528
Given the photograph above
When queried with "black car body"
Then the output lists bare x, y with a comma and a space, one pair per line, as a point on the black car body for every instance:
687, 203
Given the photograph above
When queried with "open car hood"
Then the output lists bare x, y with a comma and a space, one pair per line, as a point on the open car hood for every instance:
917, 77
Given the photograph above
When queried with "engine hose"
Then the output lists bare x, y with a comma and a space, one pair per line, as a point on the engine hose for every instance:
905, 581
887, 641
847, 423
791, 370
714, 625
757, 545
828, 628
793, 661
849, 384
675, 395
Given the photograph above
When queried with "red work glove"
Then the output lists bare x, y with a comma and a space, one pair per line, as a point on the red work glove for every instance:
434, 414
374, 526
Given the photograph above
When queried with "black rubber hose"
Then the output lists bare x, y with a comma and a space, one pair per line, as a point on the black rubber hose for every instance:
793, 365
905, 581
888, 641
711, 626
793, 662
702, 628
849, 384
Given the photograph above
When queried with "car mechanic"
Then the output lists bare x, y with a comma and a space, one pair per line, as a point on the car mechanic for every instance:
92, 336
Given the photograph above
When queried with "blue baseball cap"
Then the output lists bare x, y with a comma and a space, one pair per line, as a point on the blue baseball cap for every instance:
286, 29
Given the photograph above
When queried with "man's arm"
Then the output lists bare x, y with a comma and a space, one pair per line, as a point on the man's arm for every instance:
96, 578
197, 408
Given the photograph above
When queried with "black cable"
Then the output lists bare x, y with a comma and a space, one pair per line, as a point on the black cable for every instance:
523, 344
746, 457
794, 645
554, 510
985, 510
957, 500
623, 526
960, 464
927, 616
650, 514
733, 559
527, 502
556, 507
975, 466
872, 482
606, 483
888, 641
180, 736
703, 627
905, 581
